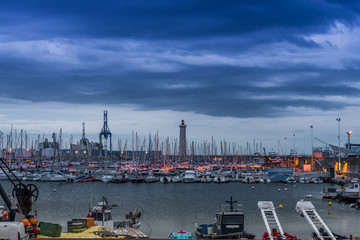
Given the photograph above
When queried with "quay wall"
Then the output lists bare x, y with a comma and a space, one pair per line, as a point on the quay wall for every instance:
350, 166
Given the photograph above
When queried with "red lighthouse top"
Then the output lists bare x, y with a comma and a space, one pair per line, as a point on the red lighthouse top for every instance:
182, 122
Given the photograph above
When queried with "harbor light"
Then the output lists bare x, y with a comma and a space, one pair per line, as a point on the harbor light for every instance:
10, 149
349, 134
27, 149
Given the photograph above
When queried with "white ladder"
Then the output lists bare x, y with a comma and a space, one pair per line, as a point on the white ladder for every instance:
307, 210
270, 218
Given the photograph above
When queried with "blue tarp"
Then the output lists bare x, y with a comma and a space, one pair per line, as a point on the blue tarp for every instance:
279, 174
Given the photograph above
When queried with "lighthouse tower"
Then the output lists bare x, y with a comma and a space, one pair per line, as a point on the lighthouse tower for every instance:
182, 143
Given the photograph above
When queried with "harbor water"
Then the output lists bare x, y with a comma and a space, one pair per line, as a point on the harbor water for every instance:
170, 207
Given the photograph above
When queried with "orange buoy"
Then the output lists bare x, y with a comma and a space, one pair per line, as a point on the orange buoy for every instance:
26, 222
33, 221
5, 213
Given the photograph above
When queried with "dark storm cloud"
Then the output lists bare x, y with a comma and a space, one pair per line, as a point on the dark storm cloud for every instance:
169, 19
219, 58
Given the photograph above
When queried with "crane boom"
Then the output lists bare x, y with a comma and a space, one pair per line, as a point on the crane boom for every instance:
321, 141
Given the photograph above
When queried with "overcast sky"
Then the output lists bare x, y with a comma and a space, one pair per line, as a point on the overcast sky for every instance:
235, 70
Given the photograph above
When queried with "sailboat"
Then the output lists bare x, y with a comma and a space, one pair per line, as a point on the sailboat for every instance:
107, 177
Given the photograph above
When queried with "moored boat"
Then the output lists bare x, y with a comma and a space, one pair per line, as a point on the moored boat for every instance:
181, 234
84, 179
151, 179
102, 214
107, 178
176, 179
290, 180
330, 193
304, 180
189, 176
248, 179
229, 224
220, 179
136, 178
264, 180
351, 191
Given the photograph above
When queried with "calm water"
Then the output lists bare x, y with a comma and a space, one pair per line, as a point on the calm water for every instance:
167, 208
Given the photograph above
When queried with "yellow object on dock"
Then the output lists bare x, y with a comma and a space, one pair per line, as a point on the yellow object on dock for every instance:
88, 233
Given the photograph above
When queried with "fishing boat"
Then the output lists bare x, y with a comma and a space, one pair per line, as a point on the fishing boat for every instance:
351, 190
102, 214
330, 193
229, 224
181, 234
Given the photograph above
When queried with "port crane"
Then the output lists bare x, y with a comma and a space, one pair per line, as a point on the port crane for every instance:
105, 132
23, 195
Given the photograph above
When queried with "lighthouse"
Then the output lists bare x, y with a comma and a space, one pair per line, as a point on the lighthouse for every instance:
182, 143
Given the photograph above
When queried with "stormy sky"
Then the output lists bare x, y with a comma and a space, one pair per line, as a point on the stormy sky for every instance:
237, 70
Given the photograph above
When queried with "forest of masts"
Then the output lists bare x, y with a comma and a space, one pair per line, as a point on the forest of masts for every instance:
19, 145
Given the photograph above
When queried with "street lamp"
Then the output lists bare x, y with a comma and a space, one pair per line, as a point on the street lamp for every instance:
312, 148
339, 120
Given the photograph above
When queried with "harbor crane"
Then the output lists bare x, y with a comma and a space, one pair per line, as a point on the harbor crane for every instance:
105, 132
